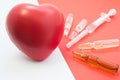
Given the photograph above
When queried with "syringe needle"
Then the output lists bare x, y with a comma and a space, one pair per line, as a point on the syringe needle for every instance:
97, 62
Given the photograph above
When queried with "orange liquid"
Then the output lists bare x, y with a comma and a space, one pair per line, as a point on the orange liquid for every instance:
97, 62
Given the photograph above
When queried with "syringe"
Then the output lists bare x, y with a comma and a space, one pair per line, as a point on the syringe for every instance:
90, 28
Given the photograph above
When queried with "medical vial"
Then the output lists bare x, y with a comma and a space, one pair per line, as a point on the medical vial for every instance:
68, 24
101, 44
85, 46
97, 62
79, 27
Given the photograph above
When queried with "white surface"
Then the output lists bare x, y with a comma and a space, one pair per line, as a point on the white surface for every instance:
14, 65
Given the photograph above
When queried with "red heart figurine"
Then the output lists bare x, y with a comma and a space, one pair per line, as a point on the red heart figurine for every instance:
35, 30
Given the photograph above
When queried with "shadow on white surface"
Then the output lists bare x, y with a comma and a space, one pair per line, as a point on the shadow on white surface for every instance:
19, 67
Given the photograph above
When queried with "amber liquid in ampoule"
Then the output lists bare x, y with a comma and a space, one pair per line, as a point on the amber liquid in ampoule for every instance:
97, 62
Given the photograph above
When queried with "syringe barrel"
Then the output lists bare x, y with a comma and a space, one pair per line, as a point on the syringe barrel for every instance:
90, 28
101, 20
98, 22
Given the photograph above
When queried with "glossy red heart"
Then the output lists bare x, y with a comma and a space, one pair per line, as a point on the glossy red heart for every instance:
35, 30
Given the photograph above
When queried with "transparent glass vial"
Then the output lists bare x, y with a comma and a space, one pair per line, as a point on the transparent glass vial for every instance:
100, 44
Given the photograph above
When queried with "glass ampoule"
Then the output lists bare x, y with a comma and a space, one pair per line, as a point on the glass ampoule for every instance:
79, 27
97, 62
100, 44
68, 23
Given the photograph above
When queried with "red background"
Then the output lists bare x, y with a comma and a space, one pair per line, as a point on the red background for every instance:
90, 10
